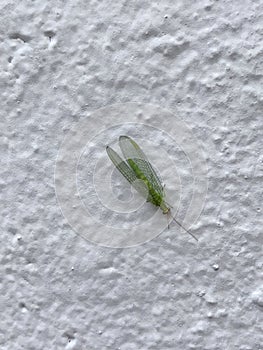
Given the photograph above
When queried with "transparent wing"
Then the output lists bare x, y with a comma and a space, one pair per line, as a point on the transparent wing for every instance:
127, 172
131, 150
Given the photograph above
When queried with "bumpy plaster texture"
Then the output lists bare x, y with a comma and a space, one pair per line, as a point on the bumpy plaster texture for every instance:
60, 62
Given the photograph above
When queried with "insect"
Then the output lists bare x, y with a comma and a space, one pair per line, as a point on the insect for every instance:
141, 175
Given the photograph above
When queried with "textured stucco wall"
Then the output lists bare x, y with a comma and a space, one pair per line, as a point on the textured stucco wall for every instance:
62, 60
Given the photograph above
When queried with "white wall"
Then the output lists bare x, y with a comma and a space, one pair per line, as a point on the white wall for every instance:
60, 62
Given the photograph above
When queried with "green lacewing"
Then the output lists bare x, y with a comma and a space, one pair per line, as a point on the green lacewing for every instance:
139, 172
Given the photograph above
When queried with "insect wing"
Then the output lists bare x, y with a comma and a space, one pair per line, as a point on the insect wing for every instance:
121, 165
127, 172
131, 150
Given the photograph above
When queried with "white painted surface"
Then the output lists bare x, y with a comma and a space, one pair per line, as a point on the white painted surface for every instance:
61, 61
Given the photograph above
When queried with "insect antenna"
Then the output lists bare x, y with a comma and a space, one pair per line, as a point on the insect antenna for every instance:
168, 224
178, 223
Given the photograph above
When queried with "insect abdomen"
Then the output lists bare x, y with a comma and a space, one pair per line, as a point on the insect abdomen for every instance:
154, 197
